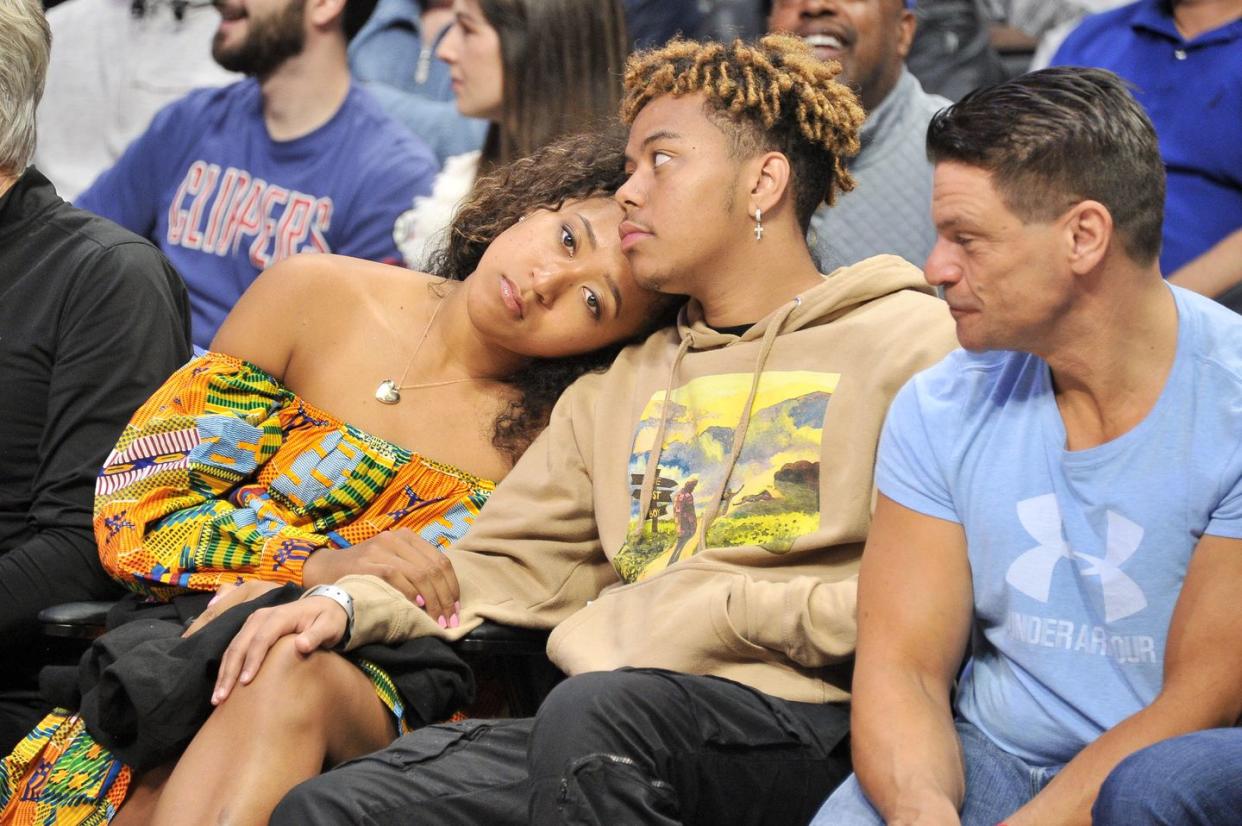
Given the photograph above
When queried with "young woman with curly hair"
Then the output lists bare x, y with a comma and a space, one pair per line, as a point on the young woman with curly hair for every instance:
352, 417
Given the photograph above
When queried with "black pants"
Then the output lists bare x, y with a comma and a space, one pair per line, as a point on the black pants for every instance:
61, 571
622, 747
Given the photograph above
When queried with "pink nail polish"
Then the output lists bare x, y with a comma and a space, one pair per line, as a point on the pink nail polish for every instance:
443, 622
457, 606
454, 621
419, 601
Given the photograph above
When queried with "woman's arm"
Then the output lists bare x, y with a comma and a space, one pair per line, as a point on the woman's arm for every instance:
170, 509
263, 325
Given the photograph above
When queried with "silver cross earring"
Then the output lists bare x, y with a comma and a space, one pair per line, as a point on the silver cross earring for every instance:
758, 224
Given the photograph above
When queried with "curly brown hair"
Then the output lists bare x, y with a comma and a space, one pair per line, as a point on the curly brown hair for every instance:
770, 95
575, 167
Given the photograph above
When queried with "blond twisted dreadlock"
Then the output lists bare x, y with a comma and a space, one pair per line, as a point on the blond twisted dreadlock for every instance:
774, 94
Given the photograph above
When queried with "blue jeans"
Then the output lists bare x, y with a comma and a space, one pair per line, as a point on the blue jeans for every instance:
997, 785
1192, 780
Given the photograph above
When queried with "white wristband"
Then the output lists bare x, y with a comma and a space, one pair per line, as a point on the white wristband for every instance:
342, 598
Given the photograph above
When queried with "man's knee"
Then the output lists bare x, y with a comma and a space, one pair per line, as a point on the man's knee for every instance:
599, 694
1118, 801
589, 761
1187, 779
606, 711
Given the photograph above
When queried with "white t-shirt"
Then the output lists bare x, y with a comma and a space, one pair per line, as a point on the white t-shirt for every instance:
109, 74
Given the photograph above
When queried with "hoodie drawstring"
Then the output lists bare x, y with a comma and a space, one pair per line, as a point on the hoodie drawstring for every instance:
739, 432
657, 448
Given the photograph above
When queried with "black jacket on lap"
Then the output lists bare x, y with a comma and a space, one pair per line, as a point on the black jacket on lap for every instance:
144, 691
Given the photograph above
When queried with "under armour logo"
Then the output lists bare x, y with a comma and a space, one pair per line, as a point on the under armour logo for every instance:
1031, 573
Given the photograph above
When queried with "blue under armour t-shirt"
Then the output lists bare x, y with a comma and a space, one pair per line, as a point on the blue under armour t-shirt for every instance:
1077, 557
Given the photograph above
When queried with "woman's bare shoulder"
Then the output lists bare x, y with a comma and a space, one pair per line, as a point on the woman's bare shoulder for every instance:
310, 293
322, 279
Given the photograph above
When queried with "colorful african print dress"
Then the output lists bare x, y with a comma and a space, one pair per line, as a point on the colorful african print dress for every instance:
225, 475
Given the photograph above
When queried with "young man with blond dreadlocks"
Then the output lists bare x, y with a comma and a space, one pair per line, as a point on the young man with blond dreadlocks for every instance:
710, 688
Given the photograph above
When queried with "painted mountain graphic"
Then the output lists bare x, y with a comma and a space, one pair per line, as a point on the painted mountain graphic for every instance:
804, 411
771, 495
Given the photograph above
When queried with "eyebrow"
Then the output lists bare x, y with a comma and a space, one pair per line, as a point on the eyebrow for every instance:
959, 222
616, 293
662, 134
590, 230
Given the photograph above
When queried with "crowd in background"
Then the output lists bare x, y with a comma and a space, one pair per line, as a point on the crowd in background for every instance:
464, 169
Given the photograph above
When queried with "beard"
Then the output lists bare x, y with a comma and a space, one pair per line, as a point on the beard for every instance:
269, 42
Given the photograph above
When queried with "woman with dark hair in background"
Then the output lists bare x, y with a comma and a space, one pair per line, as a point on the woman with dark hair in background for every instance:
235, 478
537, 70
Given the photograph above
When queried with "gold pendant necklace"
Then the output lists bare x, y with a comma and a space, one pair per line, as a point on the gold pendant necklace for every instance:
389, 391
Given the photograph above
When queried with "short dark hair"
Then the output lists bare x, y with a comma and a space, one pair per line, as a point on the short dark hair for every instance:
773, 94
1058, 136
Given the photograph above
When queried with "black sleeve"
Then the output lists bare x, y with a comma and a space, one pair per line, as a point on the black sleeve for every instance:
123, 328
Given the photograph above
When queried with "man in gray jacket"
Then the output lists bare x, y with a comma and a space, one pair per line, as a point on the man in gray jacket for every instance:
889, 211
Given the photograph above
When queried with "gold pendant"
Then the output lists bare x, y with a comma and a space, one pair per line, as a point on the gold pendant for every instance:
387, 392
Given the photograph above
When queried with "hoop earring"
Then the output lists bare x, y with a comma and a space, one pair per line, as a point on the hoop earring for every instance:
758, 224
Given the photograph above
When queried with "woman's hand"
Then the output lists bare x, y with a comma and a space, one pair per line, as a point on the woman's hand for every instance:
226, 597
318, 622
403, 559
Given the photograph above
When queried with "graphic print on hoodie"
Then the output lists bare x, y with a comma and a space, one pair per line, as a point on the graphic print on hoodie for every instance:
768, 496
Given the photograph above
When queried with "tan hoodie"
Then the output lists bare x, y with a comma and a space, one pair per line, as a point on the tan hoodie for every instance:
762, 493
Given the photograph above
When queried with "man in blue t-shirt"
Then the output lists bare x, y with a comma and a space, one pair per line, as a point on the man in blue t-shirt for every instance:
1062, 499
295, 158
1185, 61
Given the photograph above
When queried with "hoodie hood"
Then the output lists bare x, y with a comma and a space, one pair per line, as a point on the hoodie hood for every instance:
840, 292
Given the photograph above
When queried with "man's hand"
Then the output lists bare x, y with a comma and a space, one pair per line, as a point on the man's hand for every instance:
403, 559
226, 597
319, 622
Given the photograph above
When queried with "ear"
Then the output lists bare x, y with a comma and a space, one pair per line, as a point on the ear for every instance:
905, 32
769, 181
1089, 228
323, 14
